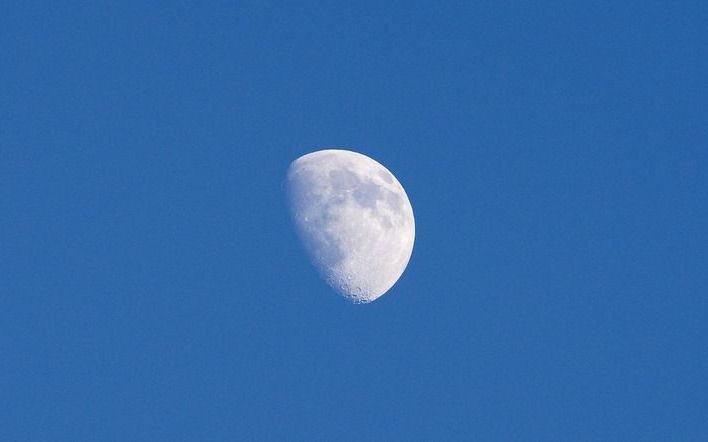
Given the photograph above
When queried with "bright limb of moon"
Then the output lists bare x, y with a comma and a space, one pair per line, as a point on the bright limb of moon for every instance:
354, 219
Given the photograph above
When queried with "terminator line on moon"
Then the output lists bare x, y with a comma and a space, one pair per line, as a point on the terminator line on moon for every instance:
354, 219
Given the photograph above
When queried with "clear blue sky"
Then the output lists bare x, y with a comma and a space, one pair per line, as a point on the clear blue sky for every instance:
556, 156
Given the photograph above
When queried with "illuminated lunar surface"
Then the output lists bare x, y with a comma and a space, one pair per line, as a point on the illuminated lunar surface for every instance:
354, 219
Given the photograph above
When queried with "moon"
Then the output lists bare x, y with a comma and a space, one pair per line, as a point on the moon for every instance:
354, 219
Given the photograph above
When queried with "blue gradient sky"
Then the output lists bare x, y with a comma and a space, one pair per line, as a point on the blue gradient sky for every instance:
556, 156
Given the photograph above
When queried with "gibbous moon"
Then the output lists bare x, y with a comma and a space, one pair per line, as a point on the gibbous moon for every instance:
354, 219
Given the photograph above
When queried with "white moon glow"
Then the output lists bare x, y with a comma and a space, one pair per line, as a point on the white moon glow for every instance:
354, 219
